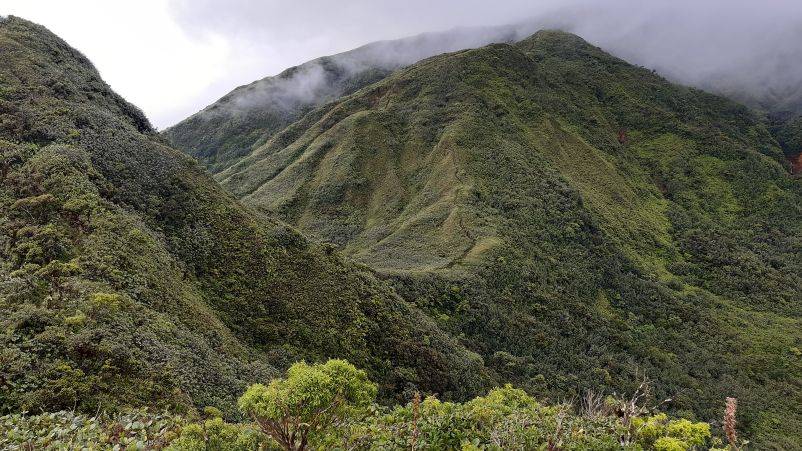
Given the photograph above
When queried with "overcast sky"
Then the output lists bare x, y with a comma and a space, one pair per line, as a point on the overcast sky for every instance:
173, 57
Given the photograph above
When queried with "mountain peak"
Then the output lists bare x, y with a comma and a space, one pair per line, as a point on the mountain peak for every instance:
39, 64
561, 44
554, 36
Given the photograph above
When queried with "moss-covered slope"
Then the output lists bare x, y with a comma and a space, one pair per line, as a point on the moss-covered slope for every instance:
129, 277
577, 220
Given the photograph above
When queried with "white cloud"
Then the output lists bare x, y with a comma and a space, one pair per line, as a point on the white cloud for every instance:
139, 50
173, 57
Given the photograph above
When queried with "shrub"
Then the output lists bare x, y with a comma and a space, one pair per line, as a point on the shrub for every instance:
308, 401
217, 435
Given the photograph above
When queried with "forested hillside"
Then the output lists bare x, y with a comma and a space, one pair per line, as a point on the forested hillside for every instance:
128, 277
576, 220
230, 128
535, 213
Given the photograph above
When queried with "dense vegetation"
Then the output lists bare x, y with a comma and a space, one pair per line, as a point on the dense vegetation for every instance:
788, 131
230, 128
330, 406
128, 277
560, 219
573, 219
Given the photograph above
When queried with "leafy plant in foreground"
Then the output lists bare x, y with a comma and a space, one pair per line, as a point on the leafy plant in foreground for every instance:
308, 401
329, 407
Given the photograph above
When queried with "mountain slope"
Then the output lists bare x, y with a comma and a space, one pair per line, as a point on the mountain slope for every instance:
128, 277
225, 131
788, 131
579, 221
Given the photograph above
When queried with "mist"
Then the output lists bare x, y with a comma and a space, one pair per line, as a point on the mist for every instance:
747, 50
174, 57
742, 49
328, 77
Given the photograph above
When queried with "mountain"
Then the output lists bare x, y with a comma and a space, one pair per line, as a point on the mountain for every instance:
227, 130
128, 277
232, 127
782, 102
577, 221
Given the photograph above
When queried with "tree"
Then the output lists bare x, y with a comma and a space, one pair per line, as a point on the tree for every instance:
308, 401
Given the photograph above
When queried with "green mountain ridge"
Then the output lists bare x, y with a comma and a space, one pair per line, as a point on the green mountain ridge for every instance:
575, 220
233, 126
128, 277
539, 213
241, 121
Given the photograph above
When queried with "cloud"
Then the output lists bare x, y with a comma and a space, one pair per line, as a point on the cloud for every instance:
745, 48
173, 57
345, 24
266, 37
325, 78
139, 50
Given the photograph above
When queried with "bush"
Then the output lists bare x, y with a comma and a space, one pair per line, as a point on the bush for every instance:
217, 435
68, 430
308, 401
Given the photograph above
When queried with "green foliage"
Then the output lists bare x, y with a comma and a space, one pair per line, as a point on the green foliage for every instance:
328, 406
596, 221
128, 277
506, 418
788, 132
664, 434
212, 412
108, 302
217, 435
134, 430
306, 403
669, 444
